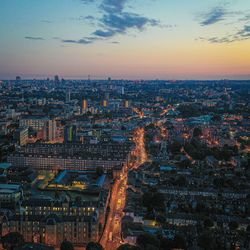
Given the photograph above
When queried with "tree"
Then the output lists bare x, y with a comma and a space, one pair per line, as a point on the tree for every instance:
99, 171
151, 247
179, 242
66, 245
128, 247
57, 195
166, 244
145, 240
200, 208
197, 132
208, 223
191, 110
181, 181
161, 219
78, 199
153, 200
216, 118
175, 147
185, 163
233, 225
206, 241
12, 240
94, 246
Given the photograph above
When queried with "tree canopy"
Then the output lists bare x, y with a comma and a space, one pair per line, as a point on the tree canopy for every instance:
66, 245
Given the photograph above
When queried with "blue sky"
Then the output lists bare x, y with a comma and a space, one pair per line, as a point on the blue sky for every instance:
125, 38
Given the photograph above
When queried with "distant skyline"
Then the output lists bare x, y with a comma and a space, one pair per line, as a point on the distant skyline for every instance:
125, 39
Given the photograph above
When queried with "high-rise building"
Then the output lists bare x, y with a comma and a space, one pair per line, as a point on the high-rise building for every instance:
50, 130
23, 136
56, 79
68, 95
126, 104
36, 123
70, 133
84, 105
18, 78
105, 103
43, 125
107, 96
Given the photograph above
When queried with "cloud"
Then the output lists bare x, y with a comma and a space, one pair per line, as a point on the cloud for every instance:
244, 32
34, 38
214, 15
80, 41
220, 13
113, 6
245, 18
225, 39
114, 20
120, 23
104, 33
87, 1
241, 35
85, 40
239, 20
89, 17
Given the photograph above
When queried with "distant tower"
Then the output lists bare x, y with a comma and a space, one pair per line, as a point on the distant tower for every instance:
23, 134
122, 91
68, 93
70, 133
18, 78
105, 103
84, 105
56, 79
50, 130
126, 104
110, 86
107, 96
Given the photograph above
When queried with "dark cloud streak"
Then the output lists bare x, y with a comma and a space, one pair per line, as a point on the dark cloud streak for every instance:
215, 15
114, 21
34, 38
241, 35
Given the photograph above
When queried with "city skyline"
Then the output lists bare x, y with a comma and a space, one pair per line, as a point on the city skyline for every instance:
125, 39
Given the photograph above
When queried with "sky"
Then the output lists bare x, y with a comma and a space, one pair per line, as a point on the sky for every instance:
125, 39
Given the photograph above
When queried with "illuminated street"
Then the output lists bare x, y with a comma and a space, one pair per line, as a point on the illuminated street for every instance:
111, 237
140, 151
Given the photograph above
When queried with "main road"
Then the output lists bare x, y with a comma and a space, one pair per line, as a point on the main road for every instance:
111, 238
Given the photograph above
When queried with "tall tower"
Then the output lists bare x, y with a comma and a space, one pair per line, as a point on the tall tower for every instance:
84, 105
18, 78
105, 103
70, 133
126, 104
56, 79
107, 96
68, 94
50, 130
